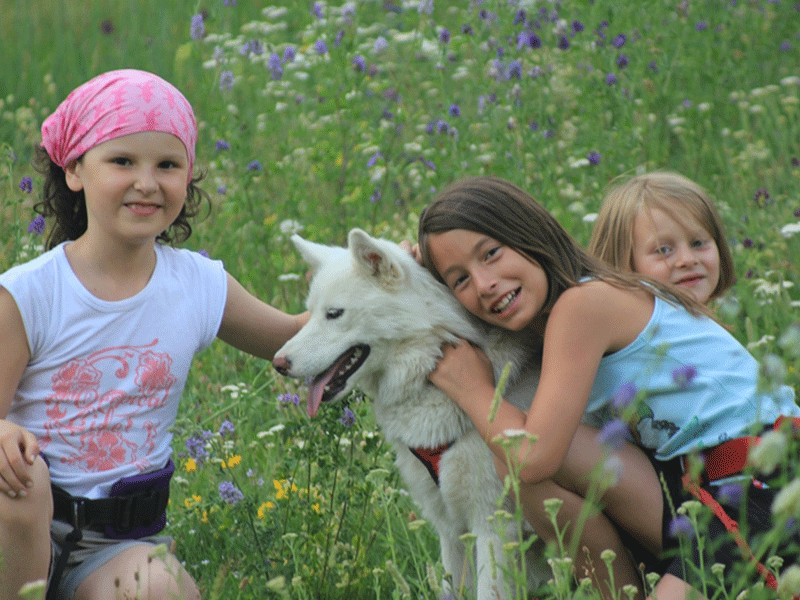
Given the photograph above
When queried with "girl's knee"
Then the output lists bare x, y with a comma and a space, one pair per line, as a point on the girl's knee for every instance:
35, 507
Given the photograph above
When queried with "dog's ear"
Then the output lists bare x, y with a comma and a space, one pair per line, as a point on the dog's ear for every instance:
314, 254
374, 259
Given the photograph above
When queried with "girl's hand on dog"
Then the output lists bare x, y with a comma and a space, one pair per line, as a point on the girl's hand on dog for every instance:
463, 372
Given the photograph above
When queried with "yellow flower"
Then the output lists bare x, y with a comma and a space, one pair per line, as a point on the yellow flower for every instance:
204, 517
234, 460
190, 502
190, 465
262, 510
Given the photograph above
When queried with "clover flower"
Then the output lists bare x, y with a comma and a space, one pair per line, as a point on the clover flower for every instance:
348, 417
197, 29
613, 434
624, 396
683, 376
36, 226
26, 185
230, 493
681, 527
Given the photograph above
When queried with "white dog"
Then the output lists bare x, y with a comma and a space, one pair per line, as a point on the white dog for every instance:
378, 322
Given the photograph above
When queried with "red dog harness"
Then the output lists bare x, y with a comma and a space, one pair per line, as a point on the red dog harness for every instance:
723, 461
430, 457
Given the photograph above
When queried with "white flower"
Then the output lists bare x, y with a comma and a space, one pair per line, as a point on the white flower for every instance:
789, 583
787, 500
769, 452
790, 229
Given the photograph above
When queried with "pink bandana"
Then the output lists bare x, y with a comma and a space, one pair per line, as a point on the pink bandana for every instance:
114, 104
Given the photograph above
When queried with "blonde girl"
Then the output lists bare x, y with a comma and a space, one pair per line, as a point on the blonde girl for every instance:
664, 225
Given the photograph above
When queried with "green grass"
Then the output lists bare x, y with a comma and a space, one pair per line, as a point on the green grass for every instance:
710, 91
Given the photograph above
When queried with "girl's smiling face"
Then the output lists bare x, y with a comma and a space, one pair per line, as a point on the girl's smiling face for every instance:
494, 282
681, 252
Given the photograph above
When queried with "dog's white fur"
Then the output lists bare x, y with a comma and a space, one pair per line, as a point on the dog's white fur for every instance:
374, 294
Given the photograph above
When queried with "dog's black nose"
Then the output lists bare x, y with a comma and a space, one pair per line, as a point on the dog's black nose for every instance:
282, 364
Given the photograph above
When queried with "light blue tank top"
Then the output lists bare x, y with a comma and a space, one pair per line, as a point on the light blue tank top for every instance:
721, 402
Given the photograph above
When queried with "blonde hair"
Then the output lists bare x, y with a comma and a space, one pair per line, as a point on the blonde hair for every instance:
612, 236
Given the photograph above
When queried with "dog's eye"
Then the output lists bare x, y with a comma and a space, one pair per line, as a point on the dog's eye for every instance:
334, 313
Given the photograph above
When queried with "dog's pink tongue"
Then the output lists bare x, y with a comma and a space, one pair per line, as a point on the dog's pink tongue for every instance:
315, 391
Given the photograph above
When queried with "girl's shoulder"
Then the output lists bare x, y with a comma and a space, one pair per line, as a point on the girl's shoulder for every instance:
600, 297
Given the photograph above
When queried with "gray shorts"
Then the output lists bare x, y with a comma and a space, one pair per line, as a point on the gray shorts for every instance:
91, 553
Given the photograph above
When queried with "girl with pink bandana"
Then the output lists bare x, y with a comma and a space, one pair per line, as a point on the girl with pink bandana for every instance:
99, 333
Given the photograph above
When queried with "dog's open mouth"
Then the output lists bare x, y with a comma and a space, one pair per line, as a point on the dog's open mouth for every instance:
325, 386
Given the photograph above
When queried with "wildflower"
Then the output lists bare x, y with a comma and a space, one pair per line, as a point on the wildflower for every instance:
198, 28
683, 376
36, 226
454, 110
466, 29
514, 70
222, 145
593, 157
359, 64
701, 26
577, 27
316, 10
380, 44
226, 80
290, 398
622, 61
222, 189
730, 494
233, 461
373, 159
190, 465
320, 46
619, 41
624, 396
613, 434
681, 527
230, 493
26, 185
769, 453
535, 41
288, 54
563, 43
347, 419
761, 193
611, 79
789, 583
226, 428
519, 17
444, 36
652, 66
785, 46
254, 165
195, 447
425, 6
787, 501
338, 39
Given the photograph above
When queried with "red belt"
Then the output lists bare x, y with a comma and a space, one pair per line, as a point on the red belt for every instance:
723, 461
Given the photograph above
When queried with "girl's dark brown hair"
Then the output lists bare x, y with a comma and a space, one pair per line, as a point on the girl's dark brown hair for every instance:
499, 209
68, 208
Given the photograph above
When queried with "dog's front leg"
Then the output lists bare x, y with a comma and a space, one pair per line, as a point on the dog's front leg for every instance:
490, 563
454, 561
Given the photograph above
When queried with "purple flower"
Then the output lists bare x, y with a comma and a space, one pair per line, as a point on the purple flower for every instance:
761, 193
577, 27
563, 43
785, 46
747, 243
681, 527
514, 70
701, 26
622, 61
230, 493
229, 3
730, 494
466, 29
619, 41
347, 419
198, 28
195, 448
254, 166
222, 145
652, 66
204, 253
613, 434
611, 79
549, 133
293, 398
316, 9
444, 36
288, 54
26, 185
454, 110
338, 39
274, 61
380, 44
535, 41
359, 64
320, 46
683, 376
226, 80
222, 189
425, 6
593, 157
624, 395
226, 428
373, 159
36, 226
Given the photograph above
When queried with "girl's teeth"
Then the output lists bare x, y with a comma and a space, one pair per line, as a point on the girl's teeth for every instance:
504, 302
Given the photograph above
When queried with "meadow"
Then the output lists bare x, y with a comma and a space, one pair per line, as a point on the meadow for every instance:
316, 117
